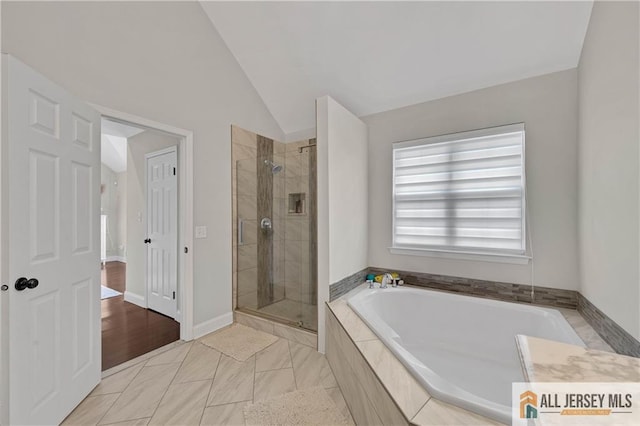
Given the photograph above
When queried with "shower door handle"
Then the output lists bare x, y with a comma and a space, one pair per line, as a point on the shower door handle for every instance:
240, 231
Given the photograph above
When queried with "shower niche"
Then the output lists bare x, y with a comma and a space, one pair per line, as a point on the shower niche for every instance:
275, 230
297, 203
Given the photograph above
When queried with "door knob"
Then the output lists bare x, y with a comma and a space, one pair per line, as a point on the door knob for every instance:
21, 283
147, 240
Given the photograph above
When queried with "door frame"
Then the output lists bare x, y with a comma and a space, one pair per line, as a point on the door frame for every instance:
185, 210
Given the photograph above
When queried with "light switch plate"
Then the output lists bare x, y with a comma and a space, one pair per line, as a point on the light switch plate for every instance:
201, 232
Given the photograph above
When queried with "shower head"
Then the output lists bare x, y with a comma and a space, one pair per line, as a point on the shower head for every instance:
275, 168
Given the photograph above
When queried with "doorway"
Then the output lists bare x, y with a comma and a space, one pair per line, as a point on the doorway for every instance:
139, 240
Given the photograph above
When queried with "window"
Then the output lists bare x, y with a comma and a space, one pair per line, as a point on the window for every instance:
461, 193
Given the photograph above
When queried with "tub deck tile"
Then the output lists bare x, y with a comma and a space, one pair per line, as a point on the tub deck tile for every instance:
384, 403
438, 413
548, 361
357, 329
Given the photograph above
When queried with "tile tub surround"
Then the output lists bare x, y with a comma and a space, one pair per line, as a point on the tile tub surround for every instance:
616, 336
508, 292
191, 384
347, 284
360, 360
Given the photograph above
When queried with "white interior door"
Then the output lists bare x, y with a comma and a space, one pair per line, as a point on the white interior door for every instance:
53, 185
162, 231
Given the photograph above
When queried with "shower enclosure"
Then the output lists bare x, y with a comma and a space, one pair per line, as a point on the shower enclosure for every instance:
275, 223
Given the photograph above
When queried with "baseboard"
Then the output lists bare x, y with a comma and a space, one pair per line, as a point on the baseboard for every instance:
212, 325
136, 299
116, 259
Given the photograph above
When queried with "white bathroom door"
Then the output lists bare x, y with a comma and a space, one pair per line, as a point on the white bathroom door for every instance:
51, 309
162, 231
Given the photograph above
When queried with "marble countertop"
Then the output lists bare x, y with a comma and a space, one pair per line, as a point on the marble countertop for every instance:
548, 361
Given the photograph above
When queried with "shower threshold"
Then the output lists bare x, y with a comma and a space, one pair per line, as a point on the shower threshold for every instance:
276, 319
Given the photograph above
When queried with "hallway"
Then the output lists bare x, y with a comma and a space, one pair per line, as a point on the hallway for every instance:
128, 330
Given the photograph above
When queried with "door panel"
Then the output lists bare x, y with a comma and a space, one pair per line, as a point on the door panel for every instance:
44, 114
81, 221
43, 192
162, 225
82, 336
53, 329
44, 356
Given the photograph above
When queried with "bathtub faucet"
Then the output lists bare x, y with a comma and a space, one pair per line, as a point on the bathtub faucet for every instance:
386, 279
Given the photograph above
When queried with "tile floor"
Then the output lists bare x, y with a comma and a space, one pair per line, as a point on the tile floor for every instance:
193, 384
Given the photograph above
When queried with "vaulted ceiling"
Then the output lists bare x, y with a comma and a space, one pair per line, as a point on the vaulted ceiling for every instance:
114, 143
377, 56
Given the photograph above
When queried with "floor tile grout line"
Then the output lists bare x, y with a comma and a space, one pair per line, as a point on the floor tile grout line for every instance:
274, 369
123, 390
107, 410
130, 420
205, 400
82, 402
233, 376
180, 366
170, 383
293, 369
215, 372
253, 398
167, 389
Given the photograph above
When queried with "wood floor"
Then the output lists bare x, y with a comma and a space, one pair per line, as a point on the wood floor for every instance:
128, 330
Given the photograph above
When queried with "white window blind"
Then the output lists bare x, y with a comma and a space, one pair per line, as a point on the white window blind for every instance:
463, 192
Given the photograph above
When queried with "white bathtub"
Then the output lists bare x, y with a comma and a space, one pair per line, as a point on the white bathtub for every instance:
462, 349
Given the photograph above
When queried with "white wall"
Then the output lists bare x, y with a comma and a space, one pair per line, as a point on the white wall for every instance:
121, 178
163, 61
112, 196
137, 147
342, 198
609, 163
348, 192
548, 107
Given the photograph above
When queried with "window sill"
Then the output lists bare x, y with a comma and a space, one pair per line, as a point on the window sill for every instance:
456, 255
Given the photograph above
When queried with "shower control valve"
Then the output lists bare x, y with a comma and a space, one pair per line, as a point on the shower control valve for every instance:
265, 223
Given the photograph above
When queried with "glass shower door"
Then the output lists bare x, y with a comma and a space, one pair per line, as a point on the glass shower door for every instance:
300, 234
275, 252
